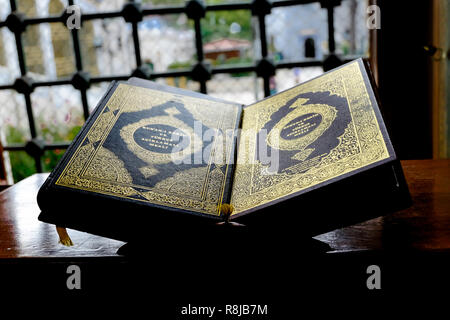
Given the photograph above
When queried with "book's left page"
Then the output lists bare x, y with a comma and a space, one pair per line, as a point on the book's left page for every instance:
156, 147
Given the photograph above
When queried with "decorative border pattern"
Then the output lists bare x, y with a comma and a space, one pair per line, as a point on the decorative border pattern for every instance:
179, 191
361, 144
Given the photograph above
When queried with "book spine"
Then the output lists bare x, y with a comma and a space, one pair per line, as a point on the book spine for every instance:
226, 199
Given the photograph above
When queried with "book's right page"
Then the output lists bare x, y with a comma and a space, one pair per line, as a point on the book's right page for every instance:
313, 134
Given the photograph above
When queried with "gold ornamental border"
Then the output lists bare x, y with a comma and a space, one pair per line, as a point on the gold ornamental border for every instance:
131, 98
347, 81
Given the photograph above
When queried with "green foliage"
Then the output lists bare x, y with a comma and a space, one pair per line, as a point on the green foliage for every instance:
14, 135
237, 61
22, 164
72, 133
165, 2
180, 65
217, 25
51, 158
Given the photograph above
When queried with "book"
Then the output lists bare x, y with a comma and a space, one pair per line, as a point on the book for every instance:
314, 157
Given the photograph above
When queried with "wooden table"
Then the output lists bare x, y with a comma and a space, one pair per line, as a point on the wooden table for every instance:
424, 228
22, 235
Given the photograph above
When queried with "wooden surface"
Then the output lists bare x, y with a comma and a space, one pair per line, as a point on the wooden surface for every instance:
424, 226
23, 235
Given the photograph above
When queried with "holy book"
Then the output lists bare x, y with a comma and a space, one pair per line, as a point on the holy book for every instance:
317, 155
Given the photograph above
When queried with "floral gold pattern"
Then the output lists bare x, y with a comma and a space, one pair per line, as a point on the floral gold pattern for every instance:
96, 169
361, 144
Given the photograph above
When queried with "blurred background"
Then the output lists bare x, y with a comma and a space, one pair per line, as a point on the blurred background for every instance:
51, 77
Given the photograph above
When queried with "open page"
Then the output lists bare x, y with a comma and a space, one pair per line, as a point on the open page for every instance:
164, 148
306, 136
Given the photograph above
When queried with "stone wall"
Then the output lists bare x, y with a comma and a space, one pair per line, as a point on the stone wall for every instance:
31, 39
63, 46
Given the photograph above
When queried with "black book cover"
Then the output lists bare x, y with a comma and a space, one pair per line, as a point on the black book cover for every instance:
309, 159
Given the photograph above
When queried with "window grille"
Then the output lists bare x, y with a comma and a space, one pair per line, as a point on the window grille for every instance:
133, 12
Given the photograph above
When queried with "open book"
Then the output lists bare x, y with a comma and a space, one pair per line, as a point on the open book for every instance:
166, 156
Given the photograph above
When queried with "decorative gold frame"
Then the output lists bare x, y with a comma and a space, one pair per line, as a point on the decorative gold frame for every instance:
199, 189
361, 144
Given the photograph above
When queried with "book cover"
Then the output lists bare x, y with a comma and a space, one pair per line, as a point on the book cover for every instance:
321, 131
167, 156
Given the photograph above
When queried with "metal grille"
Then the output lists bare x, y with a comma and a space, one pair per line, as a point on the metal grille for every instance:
133, 13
